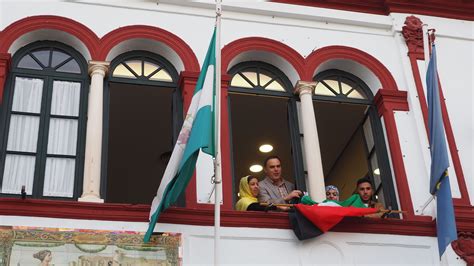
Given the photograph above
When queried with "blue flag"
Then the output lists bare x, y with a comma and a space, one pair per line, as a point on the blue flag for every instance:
439, 182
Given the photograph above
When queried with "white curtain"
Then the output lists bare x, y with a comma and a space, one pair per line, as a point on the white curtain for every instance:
22, 136
23, 133
62, 139
65, 100
59, 177
19, 171
27, 95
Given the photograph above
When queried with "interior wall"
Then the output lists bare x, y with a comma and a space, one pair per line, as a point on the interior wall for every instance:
350, 166
140, 135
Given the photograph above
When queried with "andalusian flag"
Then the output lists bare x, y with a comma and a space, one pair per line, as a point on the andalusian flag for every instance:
196, 134
325, 215
439, 182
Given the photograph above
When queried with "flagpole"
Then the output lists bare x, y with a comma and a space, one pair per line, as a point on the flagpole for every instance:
426, 48
217, 161
426, 51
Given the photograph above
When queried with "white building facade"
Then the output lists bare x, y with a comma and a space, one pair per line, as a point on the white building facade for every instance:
93, 94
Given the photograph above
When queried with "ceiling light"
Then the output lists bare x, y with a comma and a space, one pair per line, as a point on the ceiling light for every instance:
256, 168
377, 171
266, 148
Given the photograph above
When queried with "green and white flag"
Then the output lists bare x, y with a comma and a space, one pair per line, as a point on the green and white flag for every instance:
196, 134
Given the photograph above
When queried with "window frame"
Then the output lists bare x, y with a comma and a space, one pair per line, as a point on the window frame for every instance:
380, 148
177, 103
48, 75
292, 116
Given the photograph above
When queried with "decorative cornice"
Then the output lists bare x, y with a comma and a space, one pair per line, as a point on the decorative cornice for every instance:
139, 213
174, 215
305, 87
413, 34
390, 100
464, 247
455, 9
98, 67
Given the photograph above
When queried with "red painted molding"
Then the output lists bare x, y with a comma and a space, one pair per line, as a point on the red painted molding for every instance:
139, 213
388, 101
413, 34
187, 83
464, 247
98, 48
455, 9
412, 31
119, 35
227, 182
173, 215
325, 54
29, 24
231, 50
5, 59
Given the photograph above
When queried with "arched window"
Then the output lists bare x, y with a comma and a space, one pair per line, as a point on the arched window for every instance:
262, 109
143, 115
351, 136
44, 122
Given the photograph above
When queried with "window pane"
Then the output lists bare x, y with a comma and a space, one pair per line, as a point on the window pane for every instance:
323, 90
70, 67
28, 62
122, 72
356, 94
42, 56
62, 137
369, 138
252, 76
239, 81
59, 177
19, 171
264, 79
27, 95
380, 197
65, 99
375, 169
275, 86
161, 75
23, 133
58, 58
334, 84
149, 68
345, 88
136, 66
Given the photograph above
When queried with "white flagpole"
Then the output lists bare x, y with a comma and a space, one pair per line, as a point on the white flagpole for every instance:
426, 51
217, 161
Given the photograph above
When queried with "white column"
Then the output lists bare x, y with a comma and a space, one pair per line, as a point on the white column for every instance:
312, 152
92, 161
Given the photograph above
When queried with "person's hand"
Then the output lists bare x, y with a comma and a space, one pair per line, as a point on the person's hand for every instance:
293, 194
283, 208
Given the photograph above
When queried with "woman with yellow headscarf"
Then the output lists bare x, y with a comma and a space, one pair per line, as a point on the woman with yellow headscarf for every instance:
248, 192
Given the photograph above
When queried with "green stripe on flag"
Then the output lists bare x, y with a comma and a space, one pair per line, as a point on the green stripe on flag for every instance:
196, 134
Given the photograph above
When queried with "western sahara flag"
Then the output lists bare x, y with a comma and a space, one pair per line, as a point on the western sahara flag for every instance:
325, 216
197, 133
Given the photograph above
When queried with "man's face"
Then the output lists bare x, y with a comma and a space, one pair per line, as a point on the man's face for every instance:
273, 169
365, 191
